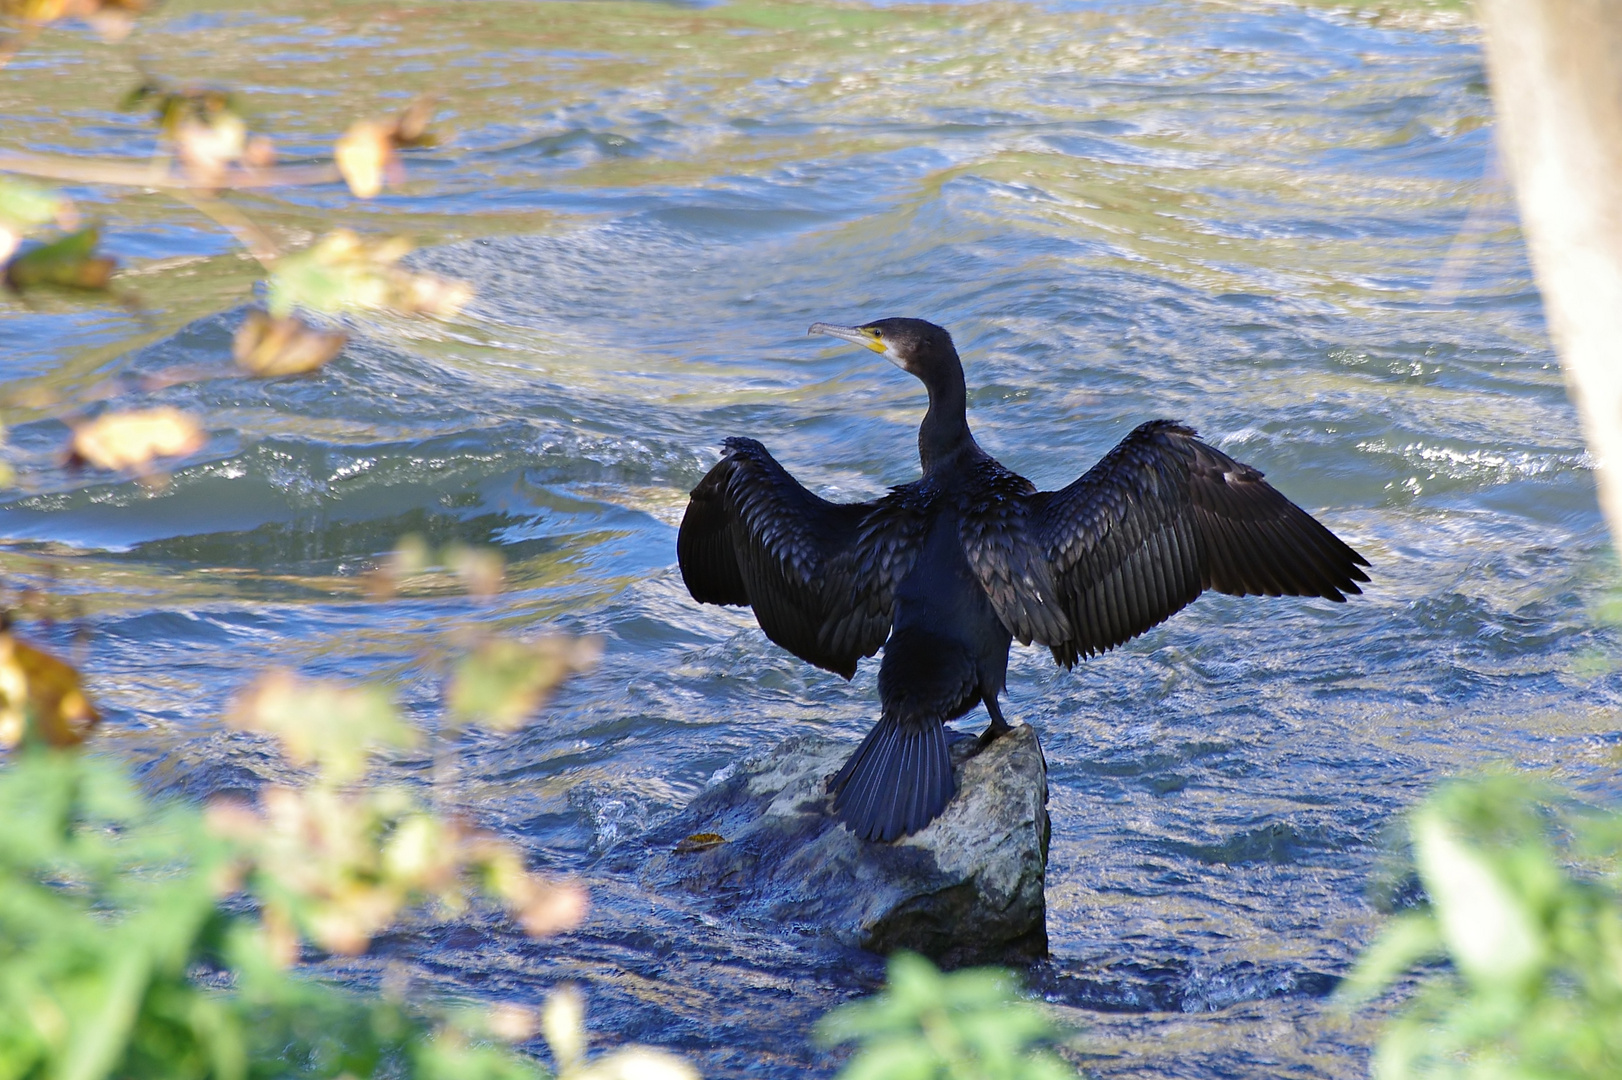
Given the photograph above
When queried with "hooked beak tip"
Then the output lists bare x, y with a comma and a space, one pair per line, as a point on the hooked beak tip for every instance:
852, 334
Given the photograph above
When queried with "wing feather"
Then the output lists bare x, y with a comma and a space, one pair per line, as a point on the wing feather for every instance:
1163, 517
821, 576
996, 531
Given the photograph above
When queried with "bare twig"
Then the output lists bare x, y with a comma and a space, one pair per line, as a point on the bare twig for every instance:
233, 221
128, 174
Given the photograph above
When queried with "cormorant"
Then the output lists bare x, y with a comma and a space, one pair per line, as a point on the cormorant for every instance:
946, 571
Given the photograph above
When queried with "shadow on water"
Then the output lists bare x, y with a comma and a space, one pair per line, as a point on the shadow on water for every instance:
1234, 214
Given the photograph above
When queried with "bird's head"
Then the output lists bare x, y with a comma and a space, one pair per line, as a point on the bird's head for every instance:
913, 345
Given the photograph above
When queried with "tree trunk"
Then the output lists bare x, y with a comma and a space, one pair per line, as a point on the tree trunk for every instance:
1556, 73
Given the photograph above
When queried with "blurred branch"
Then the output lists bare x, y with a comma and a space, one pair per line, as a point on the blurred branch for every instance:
1556, 73
233, 221
124, 174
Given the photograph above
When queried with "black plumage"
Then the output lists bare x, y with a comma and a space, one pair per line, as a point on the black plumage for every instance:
945, 572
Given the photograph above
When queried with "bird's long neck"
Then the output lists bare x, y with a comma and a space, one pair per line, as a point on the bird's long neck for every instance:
944, 435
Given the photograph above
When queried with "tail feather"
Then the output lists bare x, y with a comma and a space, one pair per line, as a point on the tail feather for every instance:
898, 780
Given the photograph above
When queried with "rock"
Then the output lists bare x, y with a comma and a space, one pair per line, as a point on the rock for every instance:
968, 889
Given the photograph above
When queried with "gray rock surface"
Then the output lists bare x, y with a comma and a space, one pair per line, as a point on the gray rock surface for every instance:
967, 889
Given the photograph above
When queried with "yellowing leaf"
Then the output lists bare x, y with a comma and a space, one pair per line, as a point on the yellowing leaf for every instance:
131, 440
68, 263
363, 154
41, 697
207, 145
422, 853
322, 723
25, 204
503, 681
482, 570
430, 294
110, 18
344, 272
268, 346
563, 1023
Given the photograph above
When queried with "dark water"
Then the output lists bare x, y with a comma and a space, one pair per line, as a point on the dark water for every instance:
1276, 222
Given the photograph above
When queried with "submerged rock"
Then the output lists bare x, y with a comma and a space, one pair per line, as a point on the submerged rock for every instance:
968, 889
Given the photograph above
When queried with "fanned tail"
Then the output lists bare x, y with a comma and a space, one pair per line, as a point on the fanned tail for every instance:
897, 781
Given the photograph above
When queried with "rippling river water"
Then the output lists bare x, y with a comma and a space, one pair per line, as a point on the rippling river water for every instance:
1277, 222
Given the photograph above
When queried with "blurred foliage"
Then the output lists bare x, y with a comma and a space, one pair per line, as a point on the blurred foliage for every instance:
24, 207
205, 128
207, 149
346, 272
112, 19
269, 346
68, 262
336, 862
109, 903
126, 949
563, 1025
502, 681
41, 699
412, 562
1534, 946
967, 1025
366, 154
133, 440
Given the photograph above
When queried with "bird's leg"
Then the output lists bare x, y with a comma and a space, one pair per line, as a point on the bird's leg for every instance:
999, 726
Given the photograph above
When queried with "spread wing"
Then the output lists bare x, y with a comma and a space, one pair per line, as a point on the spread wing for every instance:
821, 576
997, 529
1163, 517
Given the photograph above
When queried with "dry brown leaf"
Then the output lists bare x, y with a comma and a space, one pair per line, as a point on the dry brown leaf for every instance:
268, 346
699, 842
132, 440
411, 126
67, 262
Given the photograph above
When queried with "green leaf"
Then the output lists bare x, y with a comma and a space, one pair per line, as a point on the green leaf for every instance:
893, 1061
970, 1023
1488, 930
1406, 941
